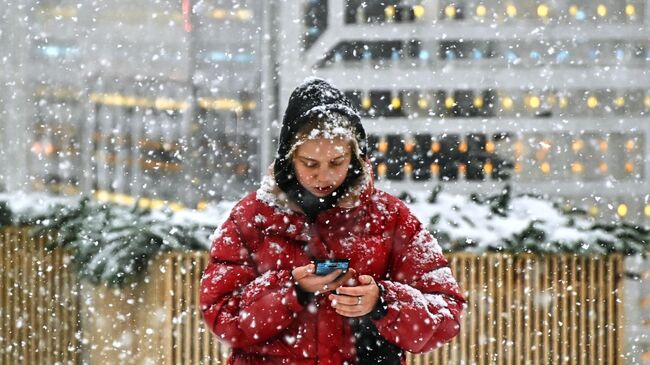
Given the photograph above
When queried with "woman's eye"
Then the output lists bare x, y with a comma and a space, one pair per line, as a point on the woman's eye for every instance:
310, 165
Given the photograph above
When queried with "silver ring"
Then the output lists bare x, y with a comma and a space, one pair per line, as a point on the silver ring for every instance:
325, 287
358, 300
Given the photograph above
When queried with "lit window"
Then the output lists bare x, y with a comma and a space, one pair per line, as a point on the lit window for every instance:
542, 11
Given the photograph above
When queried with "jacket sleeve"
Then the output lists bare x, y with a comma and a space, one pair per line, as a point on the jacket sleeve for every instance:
423, 299
239, 305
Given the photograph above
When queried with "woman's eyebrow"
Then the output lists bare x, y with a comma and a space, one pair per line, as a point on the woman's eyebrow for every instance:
307, 158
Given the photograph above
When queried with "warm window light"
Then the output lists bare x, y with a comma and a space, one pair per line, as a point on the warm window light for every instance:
534, 102
593, 211
507, 103
383, 146
629, 167
518, 148
603, 168
646, 101
646, 210
219, 13
449, 102
622, 210
592, 102
542, 11
545, 167
418, 11
577, 167
423, 103
435, 168
619, 102
603, 145
365, 102
389, 11
629, 145
435, 147
601, 10
564, 102
573, 10
488, 167
511, 10
481, 10
478, 101
409, 147
518, 166
462, 148
462, 168
396, 103
577, 145
244, 14
408, 168
450, 11
490, 147
630, 9
381, 169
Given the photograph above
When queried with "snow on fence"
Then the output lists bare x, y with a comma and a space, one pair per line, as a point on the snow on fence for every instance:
523, 309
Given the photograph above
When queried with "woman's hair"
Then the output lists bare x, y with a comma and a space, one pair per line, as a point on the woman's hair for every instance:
328, 125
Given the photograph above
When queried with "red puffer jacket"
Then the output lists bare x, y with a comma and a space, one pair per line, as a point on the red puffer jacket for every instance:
249, 301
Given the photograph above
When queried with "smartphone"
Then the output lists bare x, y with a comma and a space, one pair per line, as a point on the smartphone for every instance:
324, 267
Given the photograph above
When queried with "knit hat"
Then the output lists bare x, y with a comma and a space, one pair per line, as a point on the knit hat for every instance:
315, 99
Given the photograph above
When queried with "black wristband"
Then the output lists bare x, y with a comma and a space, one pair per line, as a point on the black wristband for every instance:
304, 297
381, 308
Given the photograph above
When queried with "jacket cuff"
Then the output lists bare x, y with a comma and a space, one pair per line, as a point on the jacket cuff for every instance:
304, 297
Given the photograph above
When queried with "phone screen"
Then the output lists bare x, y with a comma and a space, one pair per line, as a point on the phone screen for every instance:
324, 267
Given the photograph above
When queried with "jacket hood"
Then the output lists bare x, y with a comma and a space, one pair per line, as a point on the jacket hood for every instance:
317, 99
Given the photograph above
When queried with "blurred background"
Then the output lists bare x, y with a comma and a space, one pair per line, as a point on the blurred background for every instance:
179, 101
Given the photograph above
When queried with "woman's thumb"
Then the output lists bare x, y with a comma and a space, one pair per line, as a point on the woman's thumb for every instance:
365, 279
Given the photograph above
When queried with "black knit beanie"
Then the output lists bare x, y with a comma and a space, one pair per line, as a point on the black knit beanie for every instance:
315, 99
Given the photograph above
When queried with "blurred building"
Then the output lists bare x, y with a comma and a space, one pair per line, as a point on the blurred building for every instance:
146, 99
551, 97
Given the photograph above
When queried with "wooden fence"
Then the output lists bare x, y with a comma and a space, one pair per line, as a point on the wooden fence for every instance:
39, 305
522, 310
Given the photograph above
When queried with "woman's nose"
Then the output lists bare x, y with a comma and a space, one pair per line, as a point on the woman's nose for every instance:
324, 174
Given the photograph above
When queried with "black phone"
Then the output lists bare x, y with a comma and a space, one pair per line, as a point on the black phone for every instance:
326, 266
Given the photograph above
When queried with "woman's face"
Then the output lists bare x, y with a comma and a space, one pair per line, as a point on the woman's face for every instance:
322, 164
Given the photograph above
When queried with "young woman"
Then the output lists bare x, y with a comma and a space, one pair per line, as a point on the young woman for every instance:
260, 294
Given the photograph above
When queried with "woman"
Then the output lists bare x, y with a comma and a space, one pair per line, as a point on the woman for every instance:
260, 294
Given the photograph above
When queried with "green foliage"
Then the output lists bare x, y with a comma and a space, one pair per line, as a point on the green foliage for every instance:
607, 238
114, 244
5, 214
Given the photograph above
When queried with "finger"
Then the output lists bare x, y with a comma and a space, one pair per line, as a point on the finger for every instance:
329, 278
301, 272
344, 300
366, 279
356, 291
348, 275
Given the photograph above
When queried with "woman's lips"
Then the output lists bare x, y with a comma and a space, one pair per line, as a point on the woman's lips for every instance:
324, 189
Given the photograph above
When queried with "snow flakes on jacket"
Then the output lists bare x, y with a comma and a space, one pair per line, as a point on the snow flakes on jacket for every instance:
249, 302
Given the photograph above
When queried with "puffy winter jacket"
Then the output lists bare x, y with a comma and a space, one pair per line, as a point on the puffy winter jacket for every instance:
248, 297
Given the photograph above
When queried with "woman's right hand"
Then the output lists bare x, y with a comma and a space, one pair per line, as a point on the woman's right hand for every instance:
308, 281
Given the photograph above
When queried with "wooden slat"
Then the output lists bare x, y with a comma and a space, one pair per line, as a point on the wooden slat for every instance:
508, 302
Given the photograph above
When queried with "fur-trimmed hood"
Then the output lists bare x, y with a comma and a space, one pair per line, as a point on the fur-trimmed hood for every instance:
269, 192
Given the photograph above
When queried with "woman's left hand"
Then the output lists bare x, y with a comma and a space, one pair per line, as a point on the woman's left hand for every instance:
356, 301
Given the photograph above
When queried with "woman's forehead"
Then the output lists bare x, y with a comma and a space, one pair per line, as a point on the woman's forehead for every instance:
328, 146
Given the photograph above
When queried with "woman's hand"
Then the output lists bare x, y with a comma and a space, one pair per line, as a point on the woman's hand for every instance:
312, 283
356, 301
